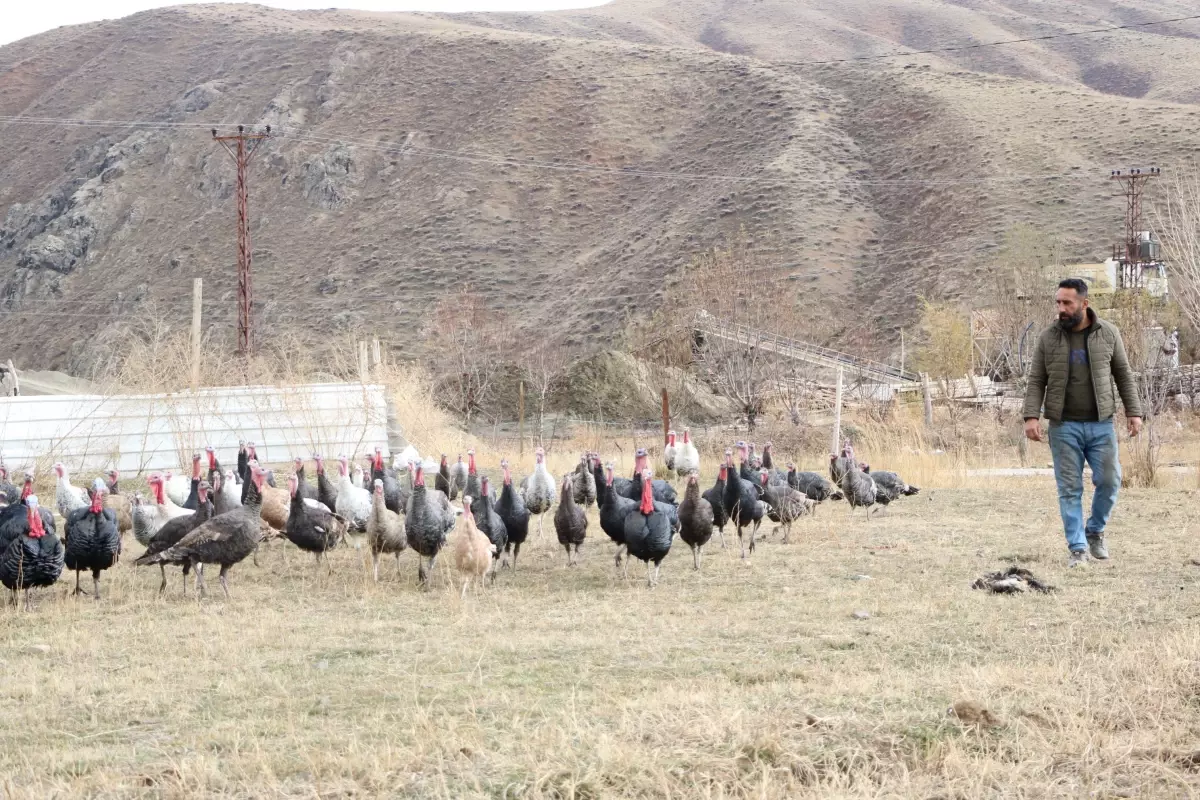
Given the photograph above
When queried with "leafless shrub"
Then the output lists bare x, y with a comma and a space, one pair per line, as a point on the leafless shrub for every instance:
466, 345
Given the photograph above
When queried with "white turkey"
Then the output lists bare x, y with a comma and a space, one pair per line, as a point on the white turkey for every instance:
68, 498
669, 451
353, 502
687, 457
177, 487
539, 489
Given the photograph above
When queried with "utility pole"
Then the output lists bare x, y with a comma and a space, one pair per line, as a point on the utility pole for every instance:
1133, 186
197, 306
837, 413
241, 148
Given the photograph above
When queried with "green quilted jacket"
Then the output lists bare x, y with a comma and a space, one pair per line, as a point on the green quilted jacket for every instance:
1110, 372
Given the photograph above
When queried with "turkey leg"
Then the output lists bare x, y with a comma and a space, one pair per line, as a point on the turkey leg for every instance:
78, 590
224, 582
96, 584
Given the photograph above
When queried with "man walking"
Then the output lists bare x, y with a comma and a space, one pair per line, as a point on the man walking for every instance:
1075, 365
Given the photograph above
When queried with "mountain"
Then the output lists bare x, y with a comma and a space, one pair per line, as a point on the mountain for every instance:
565, 164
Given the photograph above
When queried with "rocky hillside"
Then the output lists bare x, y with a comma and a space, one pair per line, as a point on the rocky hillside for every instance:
566, 164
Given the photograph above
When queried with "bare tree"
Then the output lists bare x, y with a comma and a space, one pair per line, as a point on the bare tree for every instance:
466, 346
541, 368
1177, 219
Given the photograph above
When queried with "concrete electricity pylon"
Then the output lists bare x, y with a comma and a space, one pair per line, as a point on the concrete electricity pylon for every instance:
242, 148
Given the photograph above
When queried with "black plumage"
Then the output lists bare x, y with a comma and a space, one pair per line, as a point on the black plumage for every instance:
663, 491
9, 494
193, 500
890, 486
35, 557
489, 522
173, 531
306, 490
716, 499
742, 504
512, 510
14, 519
428, 519
648, 533
312, 529
815, 486
394, 495
326, 493
442, 481
614, 507
472, 487
695, 518
92, 539
570, 522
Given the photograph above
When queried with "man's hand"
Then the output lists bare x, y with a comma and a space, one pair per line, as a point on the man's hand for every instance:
1033, 430
1135, 426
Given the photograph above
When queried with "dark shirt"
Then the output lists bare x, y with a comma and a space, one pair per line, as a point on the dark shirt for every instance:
1080, 402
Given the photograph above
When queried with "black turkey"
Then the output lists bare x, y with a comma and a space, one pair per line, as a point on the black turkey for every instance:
93, 541
35, 557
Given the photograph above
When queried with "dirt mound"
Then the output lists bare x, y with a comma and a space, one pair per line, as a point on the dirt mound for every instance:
612, 386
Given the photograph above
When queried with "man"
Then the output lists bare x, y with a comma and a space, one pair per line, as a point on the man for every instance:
1074, 367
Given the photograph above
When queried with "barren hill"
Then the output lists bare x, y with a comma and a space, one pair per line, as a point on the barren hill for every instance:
567, 164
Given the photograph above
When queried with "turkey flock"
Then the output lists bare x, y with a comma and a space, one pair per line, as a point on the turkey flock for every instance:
220, 516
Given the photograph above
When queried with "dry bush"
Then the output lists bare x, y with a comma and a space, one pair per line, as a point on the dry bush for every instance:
944, 347
466, 346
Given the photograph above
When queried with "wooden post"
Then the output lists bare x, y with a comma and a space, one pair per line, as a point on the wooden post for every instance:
927, 395
197, 306
837, 413
971, 383
376, 356
902, 350
521, 420
363, 374
666, 403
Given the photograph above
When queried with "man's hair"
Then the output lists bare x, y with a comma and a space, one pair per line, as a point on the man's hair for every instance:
1077, 284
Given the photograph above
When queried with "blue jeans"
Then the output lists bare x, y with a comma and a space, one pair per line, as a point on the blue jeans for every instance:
1072, 443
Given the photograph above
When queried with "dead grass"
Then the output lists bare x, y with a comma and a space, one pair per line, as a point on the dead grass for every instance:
744, 680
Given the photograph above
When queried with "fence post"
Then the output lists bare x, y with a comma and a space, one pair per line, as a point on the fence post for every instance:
927, 395
837, 413
521, 420
666, 411
363, 373
376, 356
197, 306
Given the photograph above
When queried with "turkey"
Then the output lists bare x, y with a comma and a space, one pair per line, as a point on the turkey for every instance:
252, 455
742, 504
614, 507
512, 510
889, 486
716, 498
840, 465
458, 478
191, 500
859, 490
538, 489
306, 490
314, 530
490, 522
243, 462
695, 518
92, 539
385, 530
687, 457
226, 494
474, 553
226, 539
663, 491
176, 487
9, 494
428, 519
768, 463
14, 519
174, 530
570, 522
68, 498
213, 464
148, 517
815, 486
393, 493
353, 502
326, 493
785, 504
442, 481
669, 451
119, 503
648, 532
584, 483
473, 487
34, 558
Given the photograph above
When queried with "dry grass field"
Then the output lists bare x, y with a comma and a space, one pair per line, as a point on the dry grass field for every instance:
752, 679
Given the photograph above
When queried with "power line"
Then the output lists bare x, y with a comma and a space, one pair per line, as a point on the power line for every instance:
756, 63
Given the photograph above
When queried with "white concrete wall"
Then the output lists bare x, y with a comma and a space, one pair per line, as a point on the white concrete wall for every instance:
137, 433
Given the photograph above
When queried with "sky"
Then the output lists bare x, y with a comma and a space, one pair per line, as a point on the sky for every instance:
21, 18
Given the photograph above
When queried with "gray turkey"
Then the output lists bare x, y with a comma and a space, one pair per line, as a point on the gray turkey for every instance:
840, 465
385, 530
429, 517
584, 483
458, 478
570, 522
174, 530
742, 504
815, 486
785, 504
695, 518
889, 486
92, 539
34, 558
860, 490
226, 539
538, 489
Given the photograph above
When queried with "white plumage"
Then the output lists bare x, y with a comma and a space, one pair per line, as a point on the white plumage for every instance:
687, 457
669, 450
177, 487
353, 502
67, 497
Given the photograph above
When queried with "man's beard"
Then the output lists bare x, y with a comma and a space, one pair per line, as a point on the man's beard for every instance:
1069, 322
